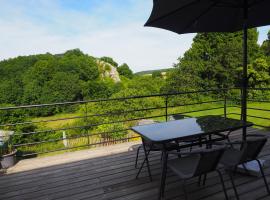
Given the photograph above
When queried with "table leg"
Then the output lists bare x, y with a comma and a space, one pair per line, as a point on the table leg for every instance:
140, 169
147, 161
163, 174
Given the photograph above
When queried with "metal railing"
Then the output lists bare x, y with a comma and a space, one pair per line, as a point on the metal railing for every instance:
108, 121
263, 112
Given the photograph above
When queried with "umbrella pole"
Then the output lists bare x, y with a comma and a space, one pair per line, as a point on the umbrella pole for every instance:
245, 80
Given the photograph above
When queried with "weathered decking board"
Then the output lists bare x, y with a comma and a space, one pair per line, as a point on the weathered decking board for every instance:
113, 177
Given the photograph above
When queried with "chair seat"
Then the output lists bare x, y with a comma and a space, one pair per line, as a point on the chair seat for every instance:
184, 167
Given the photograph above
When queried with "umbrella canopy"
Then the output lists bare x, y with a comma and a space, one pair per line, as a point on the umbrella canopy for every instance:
194, 16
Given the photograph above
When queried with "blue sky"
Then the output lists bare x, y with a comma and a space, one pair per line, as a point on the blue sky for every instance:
98, 27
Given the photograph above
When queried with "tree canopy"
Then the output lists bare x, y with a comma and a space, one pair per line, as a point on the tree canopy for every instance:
48, 78
124, 70
214, 61
109, 60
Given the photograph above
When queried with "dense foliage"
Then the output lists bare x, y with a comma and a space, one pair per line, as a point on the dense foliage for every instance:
124, 70
215, 61
48, 78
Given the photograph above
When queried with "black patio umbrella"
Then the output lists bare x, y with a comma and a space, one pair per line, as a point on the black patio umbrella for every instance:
194, 16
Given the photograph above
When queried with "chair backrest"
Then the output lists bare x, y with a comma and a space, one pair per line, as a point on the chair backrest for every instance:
251, 148
209, 160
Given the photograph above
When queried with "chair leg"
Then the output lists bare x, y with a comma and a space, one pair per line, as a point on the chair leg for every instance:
199, 180
161, 156
184, 190
137, 155
204, 179
148, 167
233, 185
263, 175
223, 185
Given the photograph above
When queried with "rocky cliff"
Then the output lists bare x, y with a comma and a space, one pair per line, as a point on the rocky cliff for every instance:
108, 71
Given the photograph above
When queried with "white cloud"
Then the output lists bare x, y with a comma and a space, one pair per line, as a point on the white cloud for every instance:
142, 48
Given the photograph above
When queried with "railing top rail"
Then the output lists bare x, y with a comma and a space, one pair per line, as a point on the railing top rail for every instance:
110, 99
122, 98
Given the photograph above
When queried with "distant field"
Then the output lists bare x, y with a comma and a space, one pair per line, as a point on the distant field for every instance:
58, 123
259, 113
149, 72
263, 122
231, 112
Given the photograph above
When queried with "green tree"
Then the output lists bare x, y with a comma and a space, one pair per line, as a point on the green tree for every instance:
11, 91
213, 61
157, 74
266, 45
63, 87
147, 84
109, 60
78, 63
259, 73
100, 89
124, 70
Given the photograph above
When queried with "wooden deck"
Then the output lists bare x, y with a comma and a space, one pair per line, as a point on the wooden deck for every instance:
110, 175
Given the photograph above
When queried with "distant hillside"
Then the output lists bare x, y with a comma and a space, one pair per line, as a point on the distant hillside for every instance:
149, 72
48, 78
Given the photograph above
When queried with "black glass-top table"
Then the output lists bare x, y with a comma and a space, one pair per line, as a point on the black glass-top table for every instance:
178, 130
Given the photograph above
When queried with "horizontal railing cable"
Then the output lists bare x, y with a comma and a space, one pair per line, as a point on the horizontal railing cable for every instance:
167, 106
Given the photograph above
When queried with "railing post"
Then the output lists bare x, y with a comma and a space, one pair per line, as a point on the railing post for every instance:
166, 109
86, 124
225, 103
10, 143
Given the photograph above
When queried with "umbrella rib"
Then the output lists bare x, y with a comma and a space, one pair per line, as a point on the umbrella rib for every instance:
172, 12
201, 14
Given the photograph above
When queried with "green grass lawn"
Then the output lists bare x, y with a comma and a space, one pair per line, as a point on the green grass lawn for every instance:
58, 123
261, 123
232, 112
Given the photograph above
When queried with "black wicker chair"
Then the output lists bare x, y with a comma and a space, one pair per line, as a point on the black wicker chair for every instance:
197, 163
147, 147
242, 152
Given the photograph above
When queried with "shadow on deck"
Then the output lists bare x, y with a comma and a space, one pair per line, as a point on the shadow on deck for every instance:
113, 177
